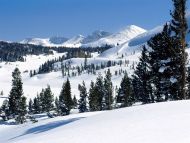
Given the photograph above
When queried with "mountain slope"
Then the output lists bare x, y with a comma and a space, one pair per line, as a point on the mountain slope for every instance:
154, 123
120, 37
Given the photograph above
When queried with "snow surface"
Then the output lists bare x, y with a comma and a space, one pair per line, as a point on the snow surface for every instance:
154, 123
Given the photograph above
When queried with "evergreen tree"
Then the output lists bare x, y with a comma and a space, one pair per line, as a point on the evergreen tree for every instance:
41, 100
141, 79
22, 111
108, 91
100, 93
36, 105
5, 110
48, 99
57, 108
164, 64
75, 103
125, 94
30, 106
179, 27
65, 100
92, 97
16, 93
83, 98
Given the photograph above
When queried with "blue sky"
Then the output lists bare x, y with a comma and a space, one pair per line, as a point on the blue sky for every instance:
44, 18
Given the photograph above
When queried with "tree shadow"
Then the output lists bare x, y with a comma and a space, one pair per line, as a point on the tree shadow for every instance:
47, 127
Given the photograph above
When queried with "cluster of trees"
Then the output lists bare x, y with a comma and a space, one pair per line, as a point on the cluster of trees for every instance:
100, 97
81, 51
11, 52
71, 53
161, 74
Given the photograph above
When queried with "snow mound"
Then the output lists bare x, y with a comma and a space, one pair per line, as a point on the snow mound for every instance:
154, 123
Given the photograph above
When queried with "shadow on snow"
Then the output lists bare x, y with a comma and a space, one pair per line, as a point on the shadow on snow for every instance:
47, 127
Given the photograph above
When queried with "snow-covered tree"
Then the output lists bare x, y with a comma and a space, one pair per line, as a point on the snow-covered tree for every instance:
83, 98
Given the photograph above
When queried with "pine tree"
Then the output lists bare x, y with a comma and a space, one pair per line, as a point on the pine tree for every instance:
48, 99
92, 98
100, 93
30, 106
22, 111
164, 65
41, 99
16, 93
83, 98
5, 110
37, 105
125, 94
141, 79
65, 100
108, 91
75, 102
57, 108
179, 27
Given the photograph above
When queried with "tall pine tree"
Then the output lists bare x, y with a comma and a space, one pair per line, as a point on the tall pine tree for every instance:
65, 100
141, 79
16, 93
83, 98
108, 96
179, 27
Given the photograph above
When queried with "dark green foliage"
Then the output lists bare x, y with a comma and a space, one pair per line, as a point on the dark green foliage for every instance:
65, 100
108, 94
12, 52
48, 99
37, 105
30, 106
165, 63
179, 27
96, 94
20, 118
125, 95
83, 98
142, 79
16, 93
75, 102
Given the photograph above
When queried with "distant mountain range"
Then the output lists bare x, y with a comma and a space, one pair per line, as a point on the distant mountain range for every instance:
96, 39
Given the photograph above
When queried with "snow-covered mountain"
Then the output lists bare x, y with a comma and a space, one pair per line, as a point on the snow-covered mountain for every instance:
50, 42
120, 37
96, 35
76, 41
96, 39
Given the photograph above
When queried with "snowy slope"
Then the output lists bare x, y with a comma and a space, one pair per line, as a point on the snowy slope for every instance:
120, 37
96, 35
76, 41
49, 42
154, 123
